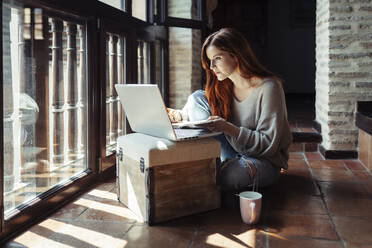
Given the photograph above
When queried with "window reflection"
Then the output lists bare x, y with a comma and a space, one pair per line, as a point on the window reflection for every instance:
119, 4
44, 105
187, 9
143, 62
139, 9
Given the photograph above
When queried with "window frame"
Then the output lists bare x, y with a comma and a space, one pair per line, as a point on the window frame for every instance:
164, 19
49, 201
144, 31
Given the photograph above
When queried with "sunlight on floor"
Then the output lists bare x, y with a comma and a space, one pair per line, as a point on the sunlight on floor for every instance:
94, 238
245, 239
103, 194
307, 208
108, 208
37, 240
277, 236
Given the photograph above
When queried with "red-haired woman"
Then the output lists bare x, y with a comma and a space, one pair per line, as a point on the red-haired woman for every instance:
246, 102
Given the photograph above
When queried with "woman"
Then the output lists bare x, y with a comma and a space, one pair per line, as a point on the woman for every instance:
246, 102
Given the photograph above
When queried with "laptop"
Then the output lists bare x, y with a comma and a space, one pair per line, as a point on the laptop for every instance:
146, 113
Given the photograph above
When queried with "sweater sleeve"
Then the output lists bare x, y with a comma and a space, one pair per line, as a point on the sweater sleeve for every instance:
264, 140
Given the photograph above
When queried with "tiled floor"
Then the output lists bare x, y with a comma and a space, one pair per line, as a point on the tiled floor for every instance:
317, 203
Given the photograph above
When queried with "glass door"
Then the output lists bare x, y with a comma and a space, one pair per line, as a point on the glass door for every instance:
44, 102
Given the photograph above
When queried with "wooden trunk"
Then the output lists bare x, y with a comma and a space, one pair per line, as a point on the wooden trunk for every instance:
161, 180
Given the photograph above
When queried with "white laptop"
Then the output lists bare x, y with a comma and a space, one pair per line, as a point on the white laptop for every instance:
146, 113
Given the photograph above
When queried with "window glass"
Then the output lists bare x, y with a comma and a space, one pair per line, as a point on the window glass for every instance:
139, 9
187, 9
44, 104
143, 62
184, 64
158, 64
119, 4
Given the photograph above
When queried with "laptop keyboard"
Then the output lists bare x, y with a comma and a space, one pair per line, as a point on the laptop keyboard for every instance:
189, 133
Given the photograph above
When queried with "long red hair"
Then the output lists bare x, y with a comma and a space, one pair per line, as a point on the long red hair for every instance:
220, 93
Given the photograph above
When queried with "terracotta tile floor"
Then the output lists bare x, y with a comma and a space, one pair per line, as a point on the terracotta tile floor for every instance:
316, 203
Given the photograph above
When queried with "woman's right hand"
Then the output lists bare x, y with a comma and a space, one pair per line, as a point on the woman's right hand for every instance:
174, 115
219, 124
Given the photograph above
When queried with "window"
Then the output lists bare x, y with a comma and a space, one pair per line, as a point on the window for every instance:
185, 72
186, 25
45, 105
187, 9
143, 62
119, 4
139, 9
61, 114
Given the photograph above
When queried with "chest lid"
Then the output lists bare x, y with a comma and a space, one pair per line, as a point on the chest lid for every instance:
158, 151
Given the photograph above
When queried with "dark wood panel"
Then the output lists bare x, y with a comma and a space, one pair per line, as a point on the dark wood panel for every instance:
195, 202
190, 174
184, 188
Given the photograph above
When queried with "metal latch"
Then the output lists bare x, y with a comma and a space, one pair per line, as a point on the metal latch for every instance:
119, 155
142, 164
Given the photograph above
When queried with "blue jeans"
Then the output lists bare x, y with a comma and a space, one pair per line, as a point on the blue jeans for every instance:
235, 173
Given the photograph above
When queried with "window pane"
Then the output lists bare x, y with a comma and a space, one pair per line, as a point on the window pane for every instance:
184, 64
115, 74
139, 9
45, 105
119, 4
187, 9
143, 62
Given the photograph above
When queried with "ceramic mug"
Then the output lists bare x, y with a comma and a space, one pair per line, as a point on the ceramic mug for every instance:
250, 206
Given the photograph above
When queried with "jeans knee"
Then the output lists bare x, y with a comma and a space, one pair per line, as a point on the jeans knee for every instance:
197, 106
228, 179
227, 182
197, 96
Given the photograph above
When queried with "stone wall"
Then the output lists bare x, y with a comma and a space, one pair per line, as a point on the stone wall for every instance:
344, 62
322, 60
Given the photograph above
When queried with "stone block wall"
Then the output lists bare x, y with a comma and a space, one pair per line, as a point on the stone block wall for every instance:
343, 68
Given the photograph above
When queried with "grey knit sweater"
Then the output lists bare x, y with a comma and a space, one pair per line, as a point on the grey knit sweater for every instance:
264, 128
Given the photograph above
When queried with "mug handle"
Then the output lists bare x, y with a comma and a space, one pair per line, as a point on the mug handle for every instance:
252, 205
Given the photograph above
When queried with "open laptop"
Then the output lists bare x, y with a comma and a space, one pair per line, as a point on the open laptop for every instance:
146, 113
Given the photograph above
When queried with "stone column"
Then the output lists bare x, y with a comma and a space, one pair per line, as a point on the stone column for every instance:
72, 92
343, 65
57, 93
82, 87
121, 64
112, 95
42, 129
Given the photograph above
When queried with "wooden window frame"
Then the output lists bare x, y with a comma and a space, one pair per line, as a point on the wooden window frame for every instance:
49, 201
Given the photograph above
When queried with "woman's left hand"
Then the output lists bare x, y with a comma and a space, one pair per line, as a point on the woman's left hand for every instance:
219, 124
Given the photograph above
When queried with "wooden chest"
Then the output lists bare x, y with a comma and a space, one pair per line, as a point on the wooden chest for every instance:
159, 179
